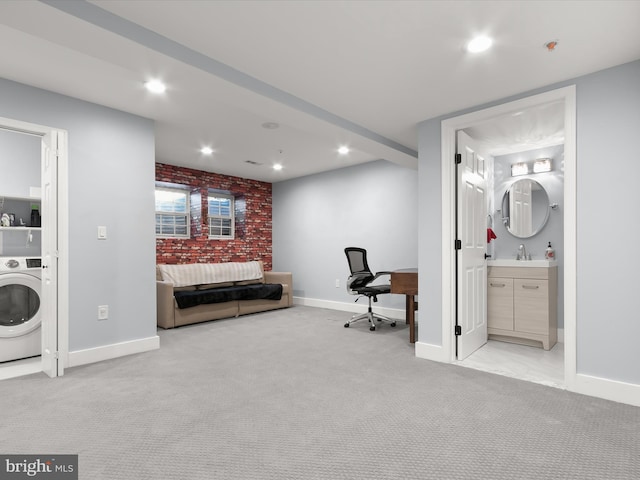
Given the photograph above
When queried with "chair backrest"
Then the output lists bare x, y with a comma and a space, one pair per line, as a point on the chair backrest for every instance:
361, 275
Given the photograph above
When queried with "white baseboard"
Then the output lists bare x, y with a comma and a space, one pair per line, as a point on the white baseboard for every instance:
429, 351
396, 313
614, 390
107, 352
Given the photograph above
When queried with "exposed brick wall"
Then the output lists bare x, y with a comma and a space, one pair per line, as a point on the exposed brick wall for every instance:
253, 229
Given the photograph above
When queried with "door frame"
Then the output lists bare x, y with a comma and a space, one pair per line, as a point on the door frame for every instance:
448, 179
62, 216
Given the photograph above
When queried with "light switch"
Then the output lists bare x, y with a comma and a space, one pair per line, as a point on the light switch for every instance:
103, 312
102, 233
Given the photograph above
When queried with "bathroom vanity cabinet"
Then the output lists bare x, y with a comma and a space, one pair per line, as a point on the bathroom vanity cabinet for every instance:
522, 304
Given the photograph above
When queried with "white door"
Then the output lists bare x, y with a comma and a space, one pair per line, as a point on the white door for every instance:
50, 147
471, 227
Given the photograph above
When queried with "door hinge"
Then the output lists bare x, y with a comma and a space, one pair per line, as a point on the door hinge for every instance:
458, 245
458, 158
458, 330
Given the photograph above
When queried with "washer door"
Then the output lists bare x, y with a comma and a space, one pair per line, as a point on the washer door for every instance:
19, 304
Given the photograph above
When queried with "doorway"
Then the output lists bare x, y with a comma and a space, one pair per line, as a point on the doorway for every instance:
53, 256
565, 95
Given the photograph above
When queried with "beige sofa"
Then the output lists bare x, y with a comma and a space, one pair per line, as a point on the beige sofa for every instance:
215, 280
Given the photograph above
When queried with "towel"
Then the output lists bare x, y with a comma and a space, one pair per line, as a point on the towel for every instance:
490, 235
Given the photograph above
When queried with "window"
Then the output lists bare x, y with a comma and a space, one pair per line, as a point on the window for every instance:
172, 212
221, 215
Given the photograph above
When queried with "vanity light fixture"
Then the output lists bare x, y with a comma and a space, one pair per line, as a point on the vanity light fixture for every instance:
206, 150
343, 150
519, 169
155, 86
542, 165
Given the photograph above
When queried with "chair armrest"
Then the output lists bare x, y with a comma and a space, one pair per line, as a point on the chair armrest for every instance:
380, 274
165, 304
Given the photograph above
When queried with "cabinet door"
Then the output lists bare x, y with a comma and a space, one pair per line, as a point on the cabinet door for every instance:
531, 305
500, 303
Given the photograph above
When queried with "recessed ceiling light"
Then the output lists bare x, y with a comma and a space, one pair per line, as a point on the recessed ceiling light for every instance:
155, 86
270, 125
277, 166
479, 44
206, 150
343, 150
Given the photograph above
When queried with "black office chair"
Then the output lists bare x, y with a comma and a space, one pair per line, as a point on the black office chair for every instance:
359, 283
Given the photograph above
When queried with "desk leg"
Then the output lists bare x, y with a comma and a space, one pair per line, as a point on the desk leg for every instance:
411, 316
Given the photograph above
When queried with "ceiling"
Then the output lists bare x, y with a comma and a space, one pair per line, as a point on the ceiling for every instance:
329, 73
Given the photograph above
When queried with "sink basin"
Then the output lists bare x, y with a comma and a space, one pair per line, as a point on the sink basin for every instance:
509, 262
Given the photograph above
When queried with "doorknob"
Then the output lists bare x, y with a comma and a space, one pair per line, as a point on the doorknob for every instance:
486, 256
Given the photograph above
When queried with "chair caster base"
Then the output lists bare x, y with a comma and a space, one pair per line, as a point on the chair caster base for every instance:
373, 328
346, 325
393, 324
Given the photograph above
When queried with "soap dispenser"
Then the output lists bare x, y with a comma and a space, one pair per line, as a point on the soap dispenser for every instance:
549, 253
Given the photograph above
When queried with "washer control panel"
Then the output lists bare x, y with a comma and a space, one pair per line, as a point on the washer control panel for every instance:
34, 263
14, 264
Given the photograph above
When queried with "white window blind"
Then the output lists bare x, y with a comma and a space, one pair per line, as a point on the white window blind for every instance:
220, 215
172, 213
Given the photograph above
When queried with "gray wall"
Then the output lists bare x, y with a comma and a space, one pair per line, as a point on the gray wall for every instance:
608, 119
506, 245
373, 206
111, 183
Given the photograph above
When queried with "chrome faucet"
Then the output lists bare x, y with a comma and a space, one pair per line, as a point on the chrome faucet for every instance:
522, 252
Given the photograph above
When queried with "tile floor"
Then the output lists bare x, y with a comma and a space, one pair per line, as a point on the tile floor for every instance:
532, 364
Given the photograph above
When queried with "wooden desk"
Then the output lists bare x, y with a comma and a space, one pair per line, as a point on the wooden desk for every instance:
405, 282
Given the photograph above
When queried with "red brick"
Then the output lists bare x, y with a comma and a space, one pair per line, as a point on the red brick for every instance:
253, 233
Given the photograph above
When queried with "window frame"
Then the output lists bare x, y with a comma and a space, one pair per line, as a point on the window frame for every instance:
231, 216
163, 213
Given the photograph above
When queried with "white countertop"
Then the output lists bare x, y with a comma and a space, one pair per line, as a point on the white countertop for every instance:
510, 262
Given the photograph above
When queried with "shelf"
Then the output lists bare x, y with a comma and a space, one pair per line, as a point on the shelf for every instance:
22, 199
19, 229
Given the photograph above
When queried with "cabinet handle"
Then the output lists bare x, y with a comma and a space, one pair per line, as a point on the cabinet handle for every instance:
497, 285
531, 287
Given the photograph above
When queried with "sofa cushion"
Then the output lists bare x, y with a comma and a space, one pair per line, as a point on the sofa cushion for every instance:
208, 286
206, 273
267, 291
188, 288
249, 282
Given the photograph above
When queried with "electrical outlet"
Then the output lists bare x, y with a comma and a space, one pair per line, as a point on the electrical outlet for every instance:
103, 312
337, 283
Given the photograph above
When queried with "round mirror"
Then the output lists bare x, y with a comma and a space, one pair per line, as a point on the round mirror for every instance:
525, 208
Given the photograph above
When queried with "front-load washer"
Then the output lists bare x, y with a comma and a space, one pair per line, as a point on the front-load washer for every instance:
20, 307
